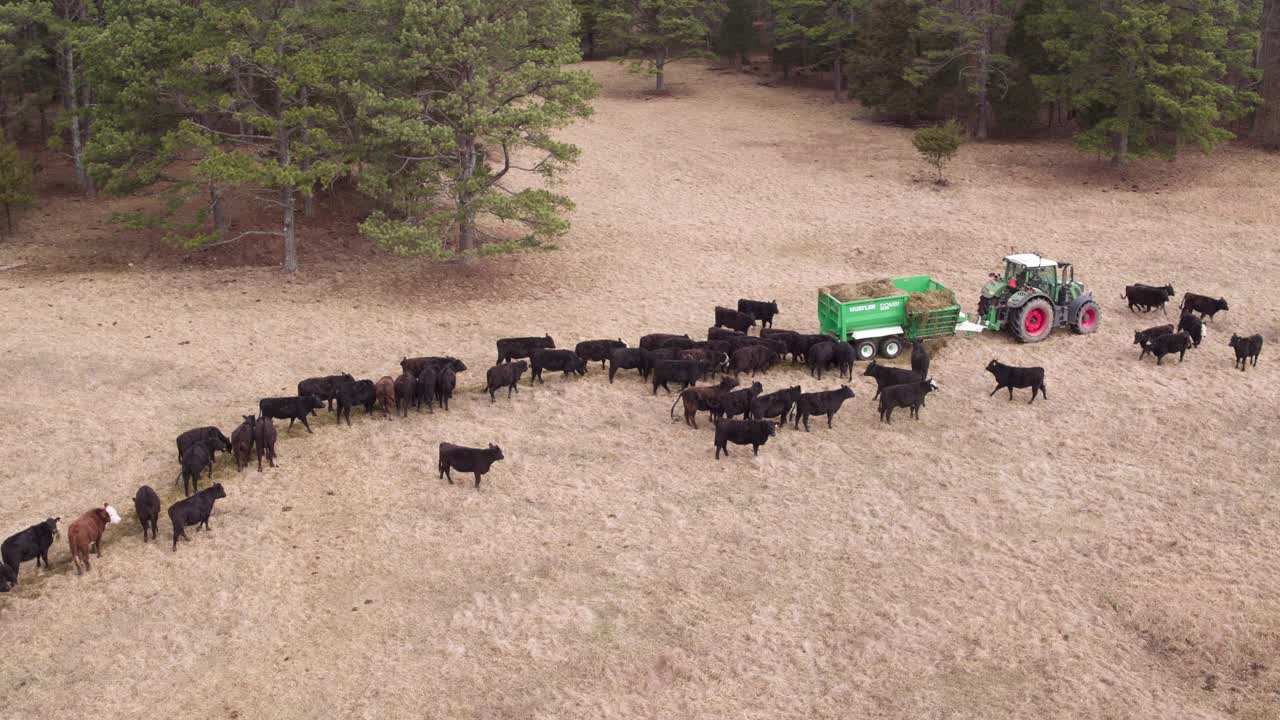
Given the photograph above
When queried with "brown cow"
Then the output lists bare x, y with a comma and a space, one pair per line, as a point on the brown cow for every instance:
384, 392
695, 399
264, 437
87, 531
242, 442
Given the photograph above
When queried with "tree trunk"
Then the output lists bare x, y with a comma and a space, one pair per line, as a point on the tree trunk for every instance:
8, 218
1266, 122
290, 236
982, 126
1121, 149
219, 211
71, 104
466, 219
659, 64
837, 74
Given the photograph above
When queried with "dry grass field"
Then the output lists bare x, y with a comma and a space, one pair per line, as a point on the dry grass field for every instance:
1107, 553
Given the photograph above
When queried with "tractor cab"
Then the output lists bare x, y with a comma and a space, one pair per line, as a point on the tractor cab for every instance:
1033, 296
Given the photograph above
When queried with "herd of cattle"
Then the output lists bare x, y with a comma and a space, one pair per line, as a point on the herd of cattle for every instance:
741, 416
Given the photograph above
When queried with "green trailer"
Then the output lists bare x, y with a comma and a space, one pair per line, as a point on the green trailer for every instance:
879, 325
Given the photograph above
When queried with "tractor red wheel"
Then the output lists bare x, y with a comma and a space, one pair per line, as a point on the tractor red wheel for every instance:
1086, 320
1034, 321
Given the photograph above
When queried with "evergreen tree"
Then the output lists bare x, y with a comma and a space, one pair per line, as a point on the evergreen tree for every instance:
881, 63
823, 27
1266, 126
967, 33
15, 181
737, 30
658, 32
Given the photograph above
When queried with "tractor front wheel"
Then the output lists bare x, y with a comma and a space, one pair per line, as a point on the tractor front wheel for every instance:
865, 350
1034, 321
1086, 320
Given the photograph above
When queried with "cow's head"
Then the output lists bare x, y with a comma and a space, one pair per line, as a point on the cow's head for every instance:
314, 402
756, 388
215, 491
580, 365
773, 307
871, 368
547, 341
771, 426
52, 525
112, 516
1138, 337
521, 365
1168, 290
933, 386
1235, 340
1222, 304
495, 452
845, 392
993, 366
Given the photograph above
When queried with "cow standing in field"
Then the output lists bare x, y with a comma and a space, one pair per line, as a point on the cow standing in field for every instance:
598, 350
30, 544
1191, 325
910, 395
1203, 304
211, 436
465, 459
655, 341
325, 388
1247, 348
290, 408
349, 395
630, 359
1008, 376
776, 404
406, 388
522, 347
826, 403
1141, 337
195, 460
743, 432
685, 372
147, 504
760, 310
920, 359
446, 382
1147, 297
506, 375
425, 391
730, 318
194, 510
242, 442
566, 361
1167, 345
85, 533
886, 376
384, 394
699, 398
264, 437
414, 366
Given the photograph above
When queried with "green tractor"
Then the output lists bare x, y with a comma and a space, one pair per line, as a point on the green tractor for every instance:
1035, 296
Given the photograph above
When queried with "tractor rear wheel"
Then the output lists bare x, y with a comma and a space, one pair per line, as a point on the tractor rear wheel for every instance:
865, 349
890, 347
1034, 321
1086, 320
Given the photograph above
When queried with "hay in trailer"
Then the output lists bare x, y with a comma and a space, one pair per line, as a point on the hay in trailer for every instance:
865, 290
933, 300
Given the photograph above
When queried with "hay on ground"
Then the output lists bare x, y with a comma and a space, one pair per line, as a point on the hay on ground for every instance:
865, 290
932, 300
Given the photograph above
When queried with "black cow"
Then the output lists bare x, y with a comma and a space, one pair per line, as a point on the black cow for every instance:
735, 403
598, 350
8, 578
1204, 305
290, 408
629, 359
194, 461
777, 333
712, 360
30, 544
845, 357
406, 387
147, 504
1147, 297
1008, 376
465, 459
821, 356
1140, 337
1246, 348
886, 376
360, 392
827, 403
522, 347
661, 340
264, 437
743, 432
325, 388
218, 441
760, 310
1167, 345
798, 345
194, 510
1193, 326
700, 398
753, 358
910, 395
920, 359
425, 390
415, 366
685, 372
776, 404
506, 375
446, 382
566, 361
719, 333
730, 318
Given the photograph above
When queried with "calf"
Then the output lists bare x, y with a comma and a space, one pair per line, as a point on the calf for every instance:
735, 403
147, 504
660, 340
522, 347
712, 360
425, 390
506, 375
1193, 326
598, 350
1167, 345
886, 376
760, 310
776, 404
290, 408
325, 388
700, 398
1008, 376
1147, 297
820, 357
446, 382
217, 441
85, 532
753, 358
1246, 348
920, 359
360, 392
565, 361
194, 510
242, 442
827, 403
629, 359
719, 333
1140, 337
406, 388
384, 394
685, 372
30, 544
730, 318
415, 366
743, 432
910, 395
194, 462
264, 437
1204, 305
465, 459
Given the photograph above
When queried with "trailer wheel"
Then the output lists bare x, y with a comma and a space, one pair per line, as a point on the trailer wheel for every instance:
1086, 320
890, 348
866, 349
1034, 321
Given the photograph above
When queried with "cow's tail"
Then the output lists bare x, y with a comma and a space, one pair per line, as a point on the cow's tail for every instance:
673, 405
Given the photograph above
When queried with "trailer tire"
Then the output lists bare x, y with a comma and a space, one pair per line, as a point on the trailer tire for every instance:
890, 347
866, 349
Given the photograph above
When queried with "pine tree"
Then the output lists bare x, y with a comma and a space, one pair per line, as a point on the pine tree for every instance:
825, 28
1267, 122
659, 32
15, 181
737, 30
967, 31
883, 58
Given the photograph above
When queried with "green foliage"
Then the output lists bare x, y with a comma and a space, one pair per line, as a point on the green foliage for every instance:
15, 181
736, 29
1148, 77
657, 32
938, 145
963, 35
882, 62
822, 29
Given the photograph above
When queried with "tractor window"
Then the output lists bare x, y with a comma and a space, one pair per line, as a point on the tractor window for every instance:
1043, 278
